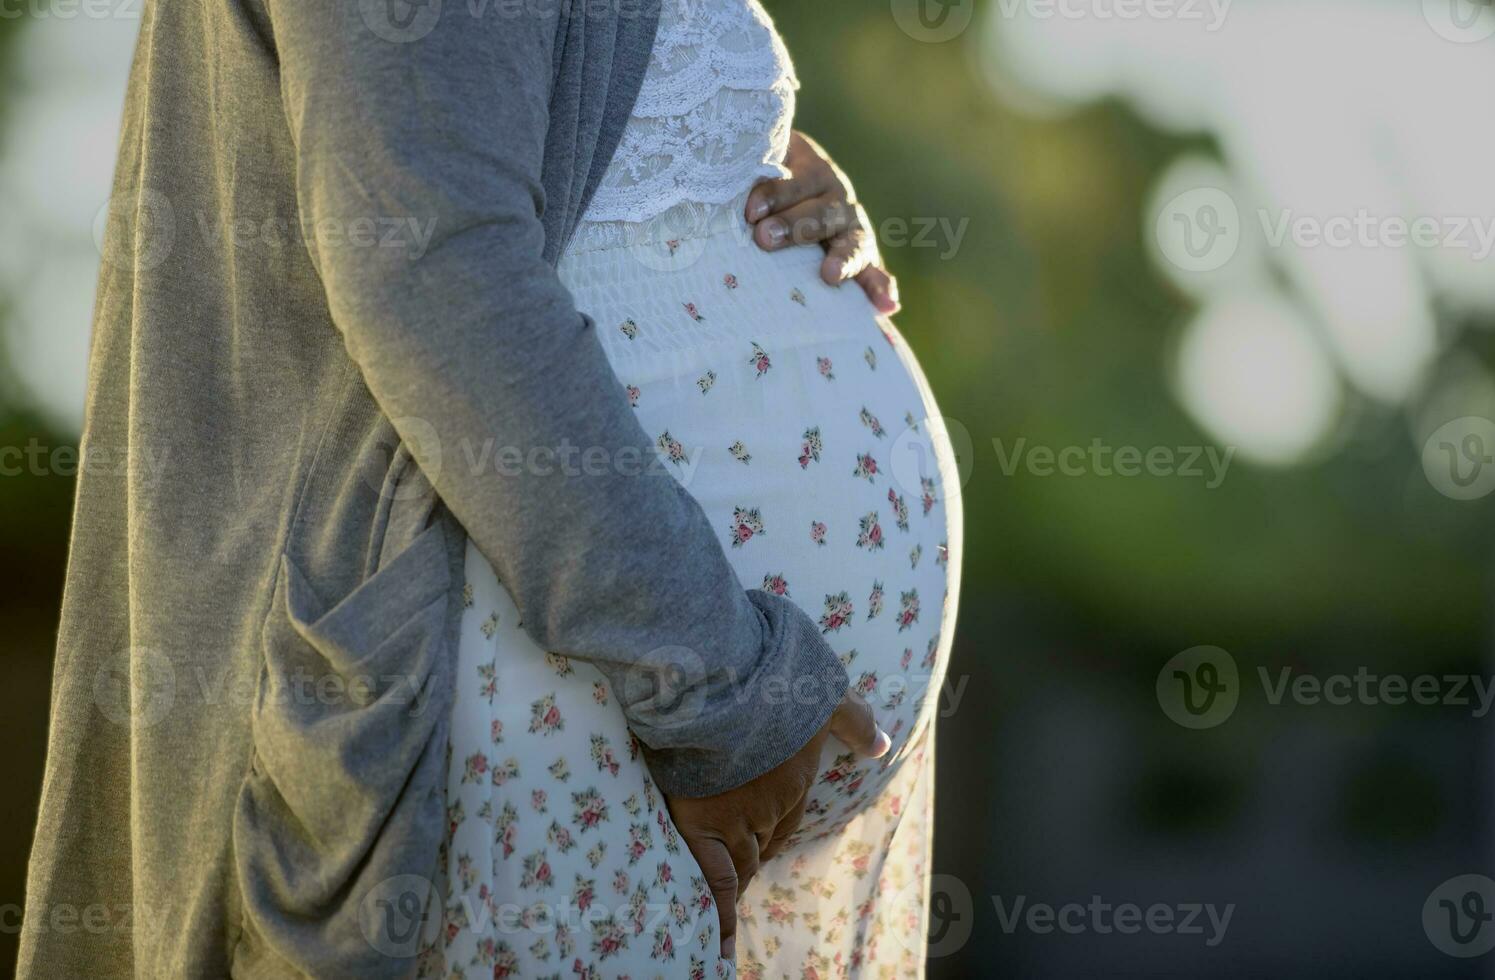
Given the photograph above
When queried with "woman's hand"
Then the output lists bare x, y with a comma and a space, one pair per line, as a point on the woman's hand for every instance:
731, 833
818, 205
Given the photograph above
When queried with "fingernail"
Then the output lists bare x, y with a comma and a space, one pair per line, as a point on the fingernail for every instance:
757, 209
881, 744
729, 948
778, 232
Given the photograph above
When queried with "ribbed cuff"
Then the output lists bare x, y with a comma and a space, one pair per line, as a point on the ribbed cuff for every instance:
754, 723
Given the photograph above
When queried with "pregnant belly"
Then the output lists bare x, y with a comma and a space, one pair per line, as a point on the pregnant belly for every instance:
801, 423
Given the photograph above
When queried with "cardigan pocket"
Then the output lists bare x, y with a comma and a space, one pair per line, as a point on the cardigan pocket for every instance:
342, 810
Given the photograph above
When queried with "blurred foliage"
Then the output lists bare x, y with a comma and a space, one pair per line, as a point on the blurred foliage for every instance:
1049, 324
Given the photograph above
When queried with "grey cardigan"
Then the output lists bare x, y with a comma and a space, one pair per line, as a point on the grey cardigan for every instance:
328, 311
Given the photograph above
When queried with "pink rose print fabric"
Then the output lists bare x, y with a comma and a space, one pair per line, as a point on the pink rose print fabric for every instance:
801, 424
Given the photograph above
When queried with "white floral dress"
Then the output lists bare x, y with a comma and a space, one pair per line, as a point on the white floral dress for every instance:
801, 423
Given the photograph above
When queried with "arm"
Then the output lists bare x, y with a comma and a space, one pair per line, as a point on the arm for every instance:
477, 340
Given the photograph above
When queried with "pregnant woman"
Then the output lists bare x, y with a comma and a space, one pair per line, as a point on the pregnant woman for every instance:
487, 559
799, 421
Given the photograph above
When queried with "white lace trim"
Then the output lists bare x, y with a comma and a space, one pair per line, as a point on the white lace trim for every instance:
706, 45
713, 115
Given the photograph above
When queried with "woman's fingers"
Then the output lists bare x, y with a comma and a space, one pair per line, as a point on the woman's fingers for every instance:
772, 196
855, 726
815, 204
847, 256
881, 288
720, 872
786, 828
810, 175
744, 851
806, 223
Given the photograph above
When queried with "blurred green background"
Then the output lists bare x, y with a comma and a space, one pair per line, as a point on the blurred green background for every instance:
1060, 776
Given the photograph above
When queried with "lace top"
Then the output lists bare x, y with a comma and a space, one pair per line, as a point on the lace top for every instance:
713, 116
